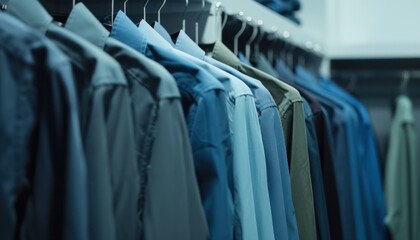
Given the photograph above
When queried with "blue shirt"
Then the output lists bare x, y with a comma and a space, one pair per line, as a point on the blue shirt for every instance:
347, 165
250, 189
203, 99
275, 152
367, 151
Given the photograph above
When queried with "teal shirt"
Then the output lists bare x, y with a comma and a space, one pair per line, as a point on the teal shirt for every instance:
402, 182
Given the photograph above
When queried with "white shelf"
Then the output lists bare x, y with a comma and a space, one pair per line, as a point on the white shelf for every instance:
272, 20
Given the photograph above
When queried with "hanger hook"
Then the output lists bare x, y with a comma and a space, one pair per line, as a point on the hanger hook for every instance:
260, 38
405, 81
163, 4
270, 52
112, 11
250, 40
125, 6
73, 2
236, 38
184, 21
224, 22
203, 6
219, 10
144, 10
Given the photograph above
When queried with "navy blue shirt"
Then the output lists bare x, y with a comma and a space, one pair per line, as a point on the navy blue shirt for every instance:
368, 155
347, 166
43, 176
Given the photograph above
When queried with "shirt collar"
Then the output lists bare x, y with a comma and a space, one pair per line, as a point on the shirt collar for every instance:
82, 22
220, 51
32, 13
162, 31
151, 36
124, 30
187, 45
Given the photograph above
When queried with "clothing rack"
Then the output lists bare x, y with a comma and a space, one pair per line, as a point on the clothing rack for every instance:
380, 78
174, 11
273, 22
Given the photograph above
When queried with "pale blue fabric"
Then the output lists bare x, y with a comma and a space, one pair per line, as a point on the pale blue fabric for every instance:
282, 208
249, 166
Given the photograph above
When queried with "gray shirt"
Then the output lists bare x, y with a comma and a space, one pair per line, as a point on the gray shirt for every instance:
106, 122
159, 124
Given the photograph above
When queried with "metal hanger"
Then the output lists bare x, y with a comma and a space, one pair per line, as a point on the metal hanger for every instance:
160, 8
3, 4
144, 10
250, 40
404, 81
270, 52
203, 6
184, 21
112, 11
291, 56
236, 38
224, 22
259, 39
125, 6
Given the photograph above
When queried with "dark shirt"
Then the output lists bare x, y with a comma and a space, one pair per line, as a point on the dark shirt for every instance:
43, 192
106, 125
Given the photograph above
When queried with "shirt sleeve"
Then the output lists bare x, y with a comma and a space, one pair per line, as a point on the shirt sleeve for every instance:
113, 173
249, 149
173, 200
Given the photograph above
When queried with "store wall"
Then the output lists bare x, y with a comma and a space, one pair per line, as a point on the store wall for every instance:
313, 17
384, 28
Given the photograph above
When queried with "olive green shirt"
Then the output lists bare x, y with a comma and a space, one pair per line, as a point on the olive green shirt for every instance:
290, 106
402, 188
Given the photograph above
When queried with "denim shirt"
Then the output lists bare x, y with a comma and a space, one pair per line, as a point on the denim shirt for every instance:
203, 99
43, 182
246, 127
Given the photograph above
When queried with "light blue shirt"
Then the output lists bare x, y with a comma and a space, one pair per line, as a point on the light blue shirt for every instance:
251, 195
279, 187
